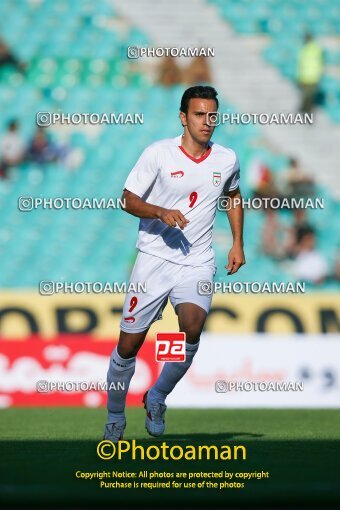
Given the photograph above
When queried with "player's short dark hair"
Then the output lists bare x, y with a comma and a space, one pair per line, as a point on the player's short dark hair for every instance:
199, 91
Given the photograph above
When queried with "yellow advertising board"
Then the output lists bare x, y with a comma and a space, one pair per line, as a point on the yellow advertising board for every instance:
26, 313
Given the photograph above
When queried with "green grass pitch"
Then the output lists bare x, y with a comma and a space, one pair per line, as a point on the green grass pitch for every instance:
42, 448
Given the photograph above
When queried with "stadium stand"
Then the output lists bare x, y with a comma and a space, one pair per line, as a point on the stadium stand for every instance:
77, 63
285, 23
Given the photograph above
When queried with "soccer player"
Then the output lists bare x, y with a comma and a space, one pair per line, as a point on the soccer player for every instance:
174, 188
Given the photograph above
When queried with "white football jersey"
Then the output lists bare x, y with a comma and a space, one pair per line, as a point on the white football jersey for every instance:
166, 176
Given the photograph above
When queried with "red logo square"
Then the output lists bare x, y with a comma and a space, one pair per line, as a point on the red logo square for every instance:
170, 346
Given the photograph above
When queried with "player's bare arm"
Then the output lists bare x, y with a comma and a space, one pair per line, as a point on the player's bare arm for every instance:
236, 257
137, 207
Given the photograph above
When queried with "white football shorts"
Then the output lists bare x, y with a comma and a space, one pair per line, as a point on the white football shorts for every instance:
163, 279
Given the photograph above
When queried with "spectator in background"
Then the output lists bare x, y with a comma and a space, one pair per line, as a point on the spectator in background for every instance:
169, 73
262, 180
281, 241
197, 72
12, 148
309, 73
309, 265
336, 273
43, 150
275, 236
297, 182
7, 58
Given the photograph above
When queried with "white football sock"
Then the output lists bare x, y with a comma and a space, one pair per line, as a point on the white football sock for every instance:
120, 371
172, 372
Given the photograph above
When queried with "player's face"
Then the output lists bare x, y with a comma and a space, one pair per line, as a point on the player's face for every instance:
196, 120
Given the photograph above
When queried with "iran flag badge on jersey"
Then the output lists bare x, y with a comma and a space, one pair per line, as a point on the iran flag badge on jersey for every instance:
216, 178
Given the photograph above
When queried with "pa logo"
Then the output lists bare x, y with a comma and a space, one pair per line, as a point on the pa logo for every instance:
170, 346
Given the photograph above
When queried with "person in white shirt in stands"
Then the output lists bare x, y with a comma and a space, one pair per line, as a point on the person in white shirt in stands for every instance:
310, 264
174, 188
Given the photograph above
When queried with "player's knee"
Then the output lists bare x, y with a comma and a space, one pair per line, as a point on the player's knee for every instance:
192, 331
129, 344
128, 351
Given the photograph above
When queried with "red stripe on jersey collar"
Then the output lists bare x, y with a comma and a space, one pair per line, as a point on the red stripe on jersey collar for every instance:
196, 160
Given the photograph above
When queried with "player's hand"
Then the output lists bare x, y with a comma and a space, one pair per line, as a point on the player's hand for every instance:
173, 217
236, 258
